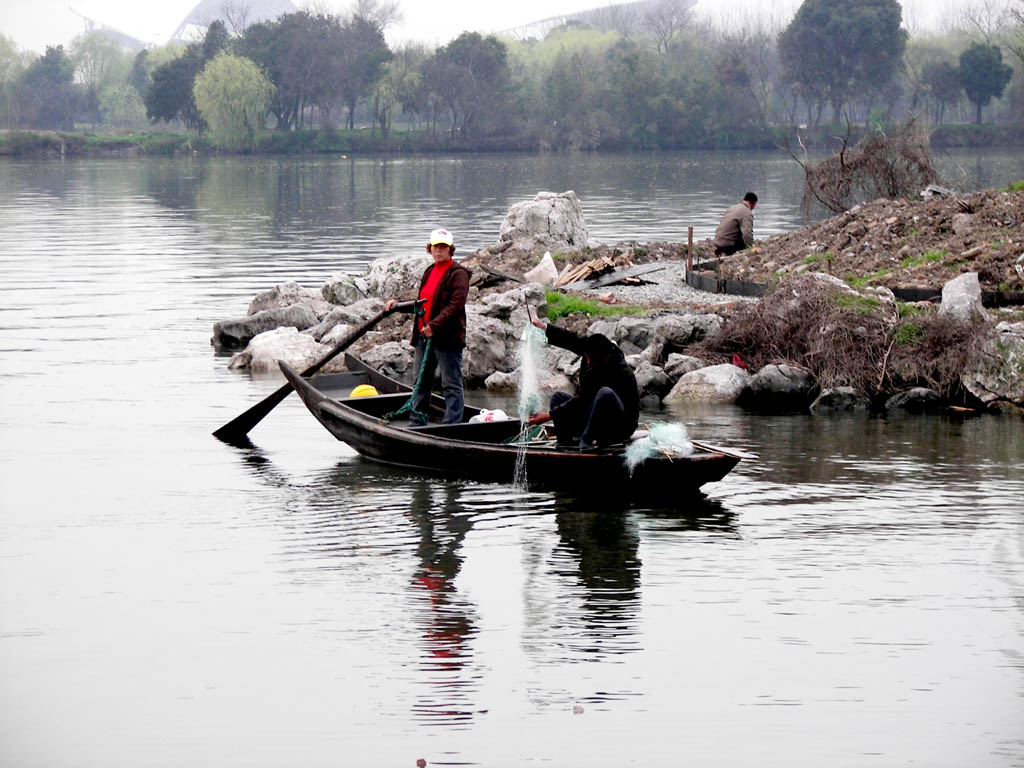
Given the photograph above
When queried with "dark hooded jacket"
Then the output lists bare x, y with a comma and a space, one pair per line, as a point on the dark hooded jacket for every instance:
607, 368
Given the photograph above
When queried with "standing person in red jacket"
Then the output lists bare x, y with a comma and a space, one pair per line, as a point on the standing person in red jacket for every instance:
736, 230
443, 289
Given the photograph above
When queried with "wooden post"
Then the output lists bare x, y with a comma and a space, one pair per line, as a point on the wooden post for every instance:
689, 249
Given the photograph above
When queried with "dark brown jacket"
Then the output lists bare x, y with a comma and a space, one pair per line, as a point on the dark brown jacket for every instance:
736, 230
448, 309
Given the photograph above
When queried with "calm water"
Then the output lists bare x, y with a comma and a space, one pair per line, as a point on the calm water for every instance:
853, 598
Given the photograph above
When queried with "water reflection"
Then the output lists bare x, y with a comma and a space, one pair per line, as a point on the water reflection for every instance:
446, 620
597, 558
581, 585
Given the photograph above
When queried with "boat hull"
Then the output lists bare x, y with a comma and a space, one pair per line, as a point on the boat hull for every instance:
477, 451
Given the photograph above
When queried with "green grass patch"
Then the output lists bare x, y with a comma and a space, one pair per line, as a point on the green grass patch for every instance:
928, 257
1017, 186
863, 282
908, 334
814, 258
905, 309
861, 305
561, 305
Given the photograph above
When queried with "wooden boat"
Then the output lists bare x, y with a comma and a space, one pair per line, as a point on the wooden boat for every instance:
483, 451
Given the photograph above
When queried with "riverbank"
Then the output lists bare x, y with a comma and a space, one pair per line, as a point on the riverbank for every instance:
366, 140
814, 341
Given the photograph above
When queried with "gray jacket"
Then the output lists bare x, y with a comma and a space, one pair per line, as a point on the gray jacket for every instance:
736, 227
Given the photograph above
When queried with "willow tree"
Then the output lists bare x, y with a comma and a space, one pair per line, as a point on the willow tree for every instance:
232, 95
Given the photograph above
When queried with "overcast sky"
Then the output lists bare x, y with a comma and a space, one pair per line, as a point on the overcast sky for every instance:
34, 24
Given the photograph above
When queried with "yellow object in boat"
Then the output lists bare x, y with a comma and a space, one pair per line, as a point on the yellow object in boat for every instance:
363, 390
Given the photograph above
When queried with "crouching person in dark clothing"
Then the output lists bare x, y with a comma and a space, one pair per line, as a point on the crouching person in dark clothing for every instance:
607, 407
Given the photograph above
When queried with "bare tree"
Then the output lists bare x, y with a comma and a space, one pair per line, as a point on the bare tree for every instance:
893, 166
984, 17
663, 18
1015, 40
236, 16
383, 13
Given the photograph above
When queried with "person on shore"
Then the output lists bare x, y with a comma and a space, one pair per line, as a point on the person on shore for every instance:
736, 229
606, 409
443, 290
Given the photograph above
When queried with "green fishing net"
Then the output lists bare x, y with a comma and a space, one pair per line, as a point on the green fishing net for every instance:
671, 440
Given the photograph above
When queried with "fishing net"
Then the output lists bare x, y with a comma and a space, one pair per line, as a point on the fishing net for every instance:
528, 435
671, 440
529, 356
407, 407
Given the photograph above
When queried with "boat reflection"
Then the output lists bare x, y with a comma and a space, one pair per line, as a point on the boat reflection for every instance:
401, 539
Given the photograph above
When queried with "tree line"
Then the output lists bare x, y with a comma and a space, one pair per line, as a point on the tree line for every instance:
656, 78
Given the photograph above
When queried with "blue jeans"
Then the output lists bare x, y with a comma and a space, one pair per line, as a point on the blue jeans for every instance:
450, 365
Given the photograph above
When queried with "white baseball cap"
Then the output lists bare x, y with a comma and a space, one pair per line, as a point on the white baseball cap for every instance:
441, 236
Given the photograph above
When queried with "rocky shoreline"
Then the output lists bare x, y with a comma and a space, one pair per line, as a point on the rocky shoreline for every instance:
814, 342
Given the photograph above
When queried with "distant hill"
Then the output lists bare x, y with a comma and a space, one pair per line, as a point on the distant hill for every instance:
236, 14
621, 17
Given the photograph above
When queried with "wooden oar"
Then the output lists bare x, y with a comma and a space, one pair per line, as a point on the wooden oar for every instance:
239, 427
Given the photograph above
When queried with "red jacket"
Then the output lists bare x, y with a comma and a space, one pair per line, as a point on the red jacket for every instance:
448, 309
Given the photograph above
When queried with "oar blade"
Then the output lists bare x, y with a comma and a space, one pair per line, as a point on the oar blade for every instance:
236, 429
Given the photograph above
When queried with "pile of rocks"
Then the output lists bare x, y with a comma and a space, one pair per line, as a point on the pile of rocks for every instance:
300, 326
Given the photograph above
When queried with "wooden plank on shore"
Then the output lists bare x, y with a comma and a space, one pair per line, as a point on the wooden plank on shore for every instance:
499, 273
622, 274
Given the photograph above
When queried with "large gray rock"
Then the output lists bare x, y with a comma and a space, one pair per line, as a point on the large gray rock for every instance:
508, 381
335, 335
287, 295
779, 388
267, 349
345, 289
714, 384
841, 399
549, 220
677, 365
652, 380
677, 331
232, 334
354, 314
998, 375
961, 299
632, 334
490, 345
511, 305
396, 277
915, 400
393, 358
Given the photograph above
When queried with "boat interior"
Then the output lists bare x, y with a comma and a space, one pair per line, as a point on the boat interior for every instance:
338, 387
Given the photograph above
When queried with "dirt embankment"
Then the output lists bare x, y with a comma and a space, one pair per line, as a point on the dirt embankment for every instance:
902, 244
